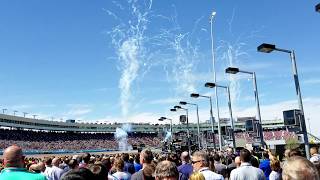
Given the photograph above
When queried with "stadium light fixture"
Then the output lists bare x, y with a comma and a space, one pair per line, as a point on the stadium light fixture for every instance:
317, 8
198, 120
233, 70
173, 110
298, 91
4, 111
177, 107
24, 114
196, 95
213, 85
14, 112
183, 103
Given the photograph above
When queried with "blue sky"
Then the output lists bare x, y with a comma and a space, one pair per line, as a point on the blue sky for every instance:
133, 60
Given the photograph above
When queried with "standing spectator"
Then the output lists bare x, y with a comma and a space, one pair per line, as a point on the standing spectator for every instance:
219, 167
56, 172
197, 176
148, 168
200, 162
186, 168
237, 160
47, 172
128, 166
166, 170
246, 171
265, 165
299, 168
85, 160
118, 167
14, 166
315, 157
136, 164
276, 169
78, 174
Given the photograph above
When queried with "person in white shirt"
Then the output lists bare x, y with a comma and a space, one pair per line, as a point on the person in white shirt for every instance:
56, 172
200, 163
246, 171
315, 157
120, 174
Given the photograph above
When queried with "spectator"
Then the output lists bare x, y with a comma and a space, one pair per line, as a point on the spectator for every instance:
78, 174
265, 165
295, 152
118, 167
128, 166
237, 161
200, 163
85, 160
99, 171
196, 176
47, 172
166, 170
219, 167
148, 168
186, 168
276, 169
315, 157
56, 172
299, 168
14, 166
136, 164
246, 171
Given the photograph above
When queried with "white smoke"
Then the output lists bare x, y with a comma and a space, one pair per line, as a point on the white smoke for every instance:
121, 135
168, 136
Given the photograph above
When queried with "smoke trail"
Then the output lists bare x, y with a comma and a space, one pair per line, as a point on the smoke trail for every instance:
128, 39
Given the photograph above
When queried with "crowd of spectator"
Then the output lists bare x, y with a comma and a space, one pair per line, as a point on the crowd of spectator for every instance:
202, 165
48, 141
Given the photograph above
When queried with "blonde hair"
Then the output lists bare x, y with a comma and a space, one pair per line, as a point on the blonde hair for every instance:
196, 176
299, 168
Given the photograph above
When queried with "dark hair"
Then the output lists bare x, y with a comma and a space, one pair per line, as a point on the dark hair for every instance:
125, 157
245, 155
265, 155
73, 163
216, 157
86, 157
100, 171
48, 161
254, 162
147, 155
80, 174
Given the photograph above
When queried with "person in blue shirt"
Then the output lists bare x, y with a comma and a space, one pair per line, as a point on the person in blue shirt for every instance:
186, 168
265, 165
136, 164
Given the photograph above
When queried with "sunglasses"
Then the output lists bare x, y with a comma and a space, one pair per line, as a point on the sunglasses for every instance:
193, 162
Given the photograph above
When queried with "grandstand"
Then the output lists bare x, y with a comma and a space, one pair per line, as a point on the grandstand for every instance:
39, 134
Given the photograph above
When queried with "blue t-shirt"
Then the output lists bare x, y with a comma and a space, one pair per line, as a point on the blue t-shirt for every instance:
137, 166
265, 167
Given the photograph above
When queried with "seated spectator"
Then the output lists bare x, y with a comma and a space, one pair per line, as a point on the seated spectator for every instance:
166, 170
297, 167
200, 163
14, 166
246, 171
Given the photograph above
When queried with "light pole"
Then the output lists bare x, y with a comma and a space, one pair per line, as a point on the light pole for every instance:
317, 7
14, 112
267, 48
24, 114
34, 116
188, 131
232, 70
198, 120
4, 111
212, 85
195, 95
215, 78
165, 118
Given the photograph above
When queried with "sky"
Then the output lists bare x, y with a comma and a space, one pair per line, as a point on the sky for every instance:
133, 60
